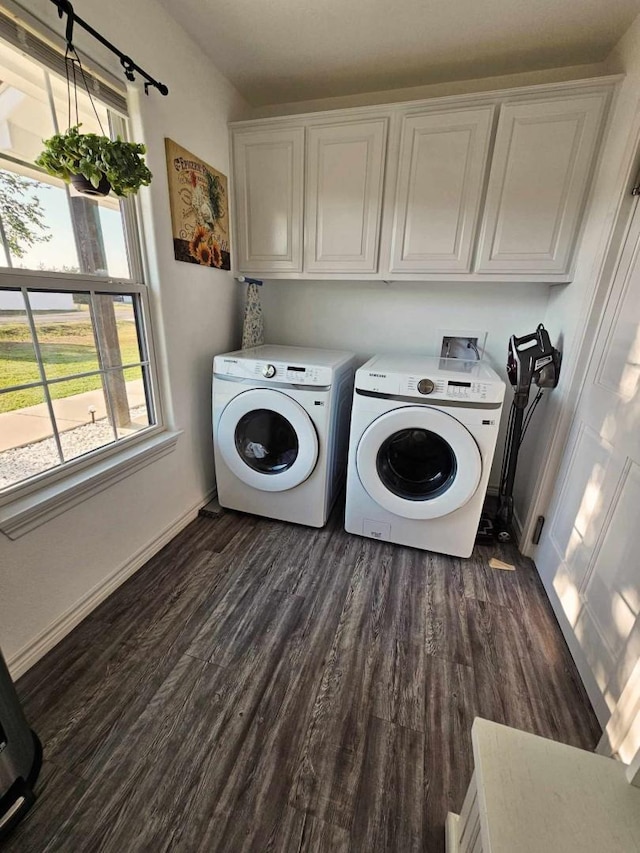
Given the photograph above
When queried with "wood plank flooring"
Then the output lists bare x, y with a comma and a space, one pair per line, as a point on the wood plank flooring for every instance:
259, 686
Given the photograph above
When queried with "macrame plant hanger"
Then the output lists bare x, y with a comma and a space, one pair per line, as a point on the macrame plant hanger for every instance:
71, 60
73, 72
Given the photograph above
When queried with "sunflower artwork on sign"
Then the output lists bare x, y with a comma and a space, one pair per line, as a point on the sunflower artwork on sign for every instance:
199, 209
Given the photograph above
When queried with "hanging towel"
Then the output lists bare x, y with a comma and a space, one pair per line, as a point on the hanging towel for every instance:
253, 327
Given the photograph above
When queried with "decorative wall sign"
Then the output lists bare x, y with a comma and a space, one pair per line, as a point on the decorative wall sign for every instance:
199, 209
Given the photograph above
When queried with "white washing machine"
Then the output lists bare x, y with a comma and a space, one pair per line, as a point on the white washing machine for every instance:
423, 435
281, 430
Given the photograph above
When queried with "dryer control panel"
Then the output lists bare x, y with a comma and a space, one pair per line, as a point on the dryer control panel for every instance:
274, 372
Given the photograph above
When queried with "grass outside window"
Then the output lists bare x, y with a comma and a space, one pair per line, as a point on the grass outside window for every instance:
67, 348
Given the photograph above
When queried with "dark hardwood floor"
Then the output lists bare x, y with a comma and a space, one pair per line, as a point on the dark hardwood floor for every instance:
259, 686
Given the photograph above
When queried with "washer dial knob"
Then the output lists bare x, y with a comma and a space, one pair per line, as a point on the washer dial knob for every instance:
425, 386
269, 371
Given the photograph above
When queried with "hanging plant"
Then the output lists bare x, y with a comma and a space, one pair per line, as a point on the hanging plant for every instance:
95, 164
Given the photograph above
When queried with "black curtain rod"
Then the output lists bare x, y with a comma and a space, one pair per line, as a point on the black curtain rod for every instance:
65, 8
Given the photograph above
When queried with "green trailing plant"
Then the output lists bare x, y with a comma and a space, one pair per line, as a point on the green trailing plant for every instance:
96, 157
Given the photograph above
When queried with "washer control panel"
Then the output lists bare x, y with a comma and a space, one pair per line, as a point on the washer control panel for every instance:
416, 385
276, 372
429, 380
467, 390
432, 387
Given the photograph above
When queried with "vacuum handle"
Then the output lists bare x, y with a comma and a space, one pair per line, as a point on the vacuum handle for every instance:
532, 336
540, 337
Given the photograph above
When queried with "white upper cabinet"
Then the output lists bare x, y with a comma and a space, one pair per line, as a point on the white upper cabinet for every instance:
485, 187
541, 171
345, 169
443, 161
268, 172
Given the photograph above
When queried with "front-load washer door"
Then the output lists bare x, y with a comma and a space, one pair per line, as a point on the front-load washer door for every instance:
418, 462
268, 440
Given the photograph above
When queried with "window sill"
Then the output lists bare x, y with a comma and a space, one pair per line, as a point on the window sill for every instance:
26, 513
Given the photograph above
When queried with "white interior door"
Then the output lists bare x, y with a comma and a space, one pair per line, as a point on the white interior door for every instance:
589, 556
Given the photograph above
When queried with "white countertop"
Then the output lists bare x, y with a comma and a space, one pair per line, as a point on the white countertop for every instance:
539, 796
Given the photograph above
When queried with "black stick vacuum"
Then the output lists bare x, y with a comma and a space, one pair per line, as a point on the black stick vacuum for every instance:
20, 757
531, 361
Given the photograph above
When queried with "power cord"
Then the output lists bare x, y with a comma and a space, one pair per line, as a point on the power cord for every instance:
529, 414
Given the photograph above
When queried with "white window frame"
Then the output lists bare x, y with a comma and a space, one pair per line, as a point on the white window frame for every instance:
29, 503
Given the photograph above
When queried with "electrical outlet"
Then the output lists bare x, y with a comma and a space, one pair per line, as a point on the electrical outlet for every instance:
469, 345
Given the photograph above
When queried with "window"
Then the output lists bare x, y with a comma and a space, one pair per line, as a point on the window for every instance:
75, 377
45, 224
76, 368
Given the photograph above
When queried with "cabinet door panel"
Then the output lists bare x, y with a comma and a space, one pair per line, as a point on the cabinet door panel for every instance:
541, 170
443, 158
268, 171
345, 169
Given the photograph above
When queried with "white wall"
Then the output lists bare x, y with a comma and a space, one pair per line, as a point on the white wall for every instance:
374, 317
434, 90
46, 573
573, 311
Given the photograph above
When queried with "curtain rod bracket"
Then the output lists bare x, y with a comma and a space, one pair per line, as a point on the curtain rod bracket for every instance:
129, 65
64, 7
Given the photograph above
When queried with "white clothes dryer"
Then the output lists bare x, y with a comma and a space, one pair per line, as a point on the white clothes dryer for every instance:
280, 430
423, 436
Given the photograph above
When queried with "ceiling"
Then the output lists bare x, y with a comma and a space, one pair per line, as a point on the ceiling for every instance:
289, 50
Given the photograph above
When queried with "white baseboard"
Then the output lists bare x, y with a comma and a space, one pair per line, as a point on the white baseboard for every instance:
51, 636
452, 842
